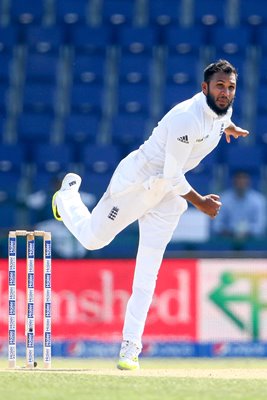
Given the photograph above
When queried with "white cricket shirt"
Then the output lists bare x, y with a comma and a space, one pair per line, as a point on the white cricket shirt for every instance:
183, 137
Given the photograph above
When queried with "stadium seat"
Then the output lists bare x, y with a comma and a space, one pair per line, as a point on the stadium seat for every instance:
12, 158
44, 39
42, 68
71, 12
231, 40
252, 13
87, 98
8, 212
176, 93
245, 157
89, 68
208, 12
136, 39
182, 68
39, 97
86, 39
117, 12
34, 128
135, 68
128, 130
80, 129
183, 40
4, 96
52, 159
261, 69
262, 40
26, 12
2, 127
261, 94
261, 129
8, 38
134, 97
100, 158
95, 183
164, 12
6, 60
201, 182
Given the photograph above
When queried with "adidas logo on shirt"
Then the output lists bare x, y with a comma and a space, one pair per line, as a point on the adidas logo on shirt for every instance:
183, 139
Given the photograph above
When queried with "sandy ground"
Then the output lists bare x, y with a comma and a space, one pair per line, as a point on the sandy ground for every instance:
230, 373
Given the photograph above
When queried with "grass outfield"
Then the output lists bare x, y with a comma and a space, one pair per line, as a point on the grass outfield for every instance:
159, 379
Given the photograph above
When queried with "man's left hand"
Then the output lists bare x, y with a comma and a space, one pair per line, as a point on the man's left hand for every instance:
236, 132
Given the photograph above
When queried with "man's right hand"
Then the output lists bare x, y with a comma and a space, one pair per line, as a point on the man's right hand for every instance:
209, 204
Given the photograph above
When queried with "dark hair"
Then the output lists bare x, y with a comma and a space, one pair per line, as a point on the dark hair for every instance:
219, 66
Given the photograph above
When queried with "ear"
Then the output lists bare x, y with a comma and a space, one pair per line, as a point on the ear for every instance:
204, 86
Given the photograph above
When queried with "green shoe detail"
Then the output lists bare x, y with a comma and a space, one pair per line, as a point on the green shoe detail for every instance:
54, 208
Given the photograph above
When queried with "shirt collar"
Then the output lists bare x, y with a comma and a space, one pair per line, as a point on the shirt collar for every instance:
210, 112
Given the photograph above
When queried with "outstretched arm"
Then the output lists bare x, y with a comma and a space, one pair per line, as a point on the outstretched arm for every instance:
235, 131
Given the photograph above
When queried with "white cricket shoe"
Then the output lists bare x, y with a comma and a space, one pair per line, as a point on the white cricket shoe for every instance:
70, 182
129, 356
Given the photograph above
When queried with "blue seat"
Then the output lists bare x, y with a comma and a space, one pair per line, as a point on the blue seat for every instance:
231, 40
183, 40
80, 129
262, 69
135, 39
44, 39
261, 129
261, 95
8, 38
87, 98
12, 158
42, 68
209, 13
176, 93
71, 12
39, 97
135, 68
89, 68
262, 40
8, 211
246, 157
52, 159
100, 158
164, 12
86, 39
4, 96
2, 127
117, 12
182, 68
253, 13
134, 97
27, 12
34, 128
95, 183
129, 130
5, 67
202, 182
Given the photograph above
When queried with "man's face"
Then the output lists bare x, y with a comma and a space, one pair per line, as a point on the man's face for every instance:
220, 92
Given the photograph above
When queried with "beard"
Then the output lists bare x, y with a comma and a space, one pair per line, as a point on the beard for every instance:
212, 104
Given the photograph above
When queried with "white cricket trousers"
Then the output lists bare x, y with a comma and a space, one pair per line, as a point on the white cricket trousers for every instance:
157, 211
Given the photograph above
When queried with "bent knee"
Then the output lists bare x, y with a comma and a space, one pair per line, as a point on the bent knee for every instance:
93, 243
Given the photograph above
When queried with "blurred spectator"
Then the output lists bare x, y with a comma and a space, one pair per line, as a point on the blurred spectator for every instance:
243, 211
